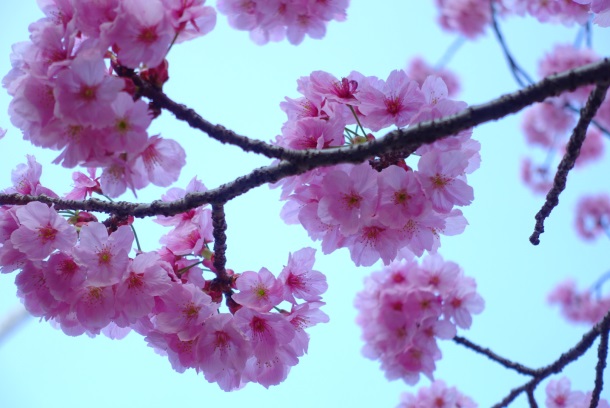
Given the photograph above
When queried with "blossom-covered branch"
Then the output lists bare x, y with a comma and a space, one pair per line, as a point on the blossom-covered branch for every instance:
300, 161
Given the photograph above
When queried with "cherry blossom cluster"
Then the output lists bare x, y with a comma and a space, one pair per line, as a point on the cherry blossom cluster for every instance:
418, 69
437, 395
470, 18
78, 273
593, 216
65, 96
385, 208
274, 20
587, 306
560, 395
467, 17
406, 307
566, 12
549, 124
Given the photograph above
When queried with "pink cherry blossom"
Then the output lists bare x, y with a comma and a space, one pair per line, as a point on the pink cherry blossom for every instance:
84, 93
402, 315
185, 308
33, 289
437, 395
142, 32
348, 197
537, 178
64, 277
258, 291
267, 332
26, 179
392, 102
160, 162
299, 279
401, 196
190, 18
222, 352
84, 185
42, 231
302, 316
579, 306
467, 17
130, 120
146, 278
418, 70
440, 176
373, 241
105, 257
593, 216
94, 307
342, 90
313, 133
462, 303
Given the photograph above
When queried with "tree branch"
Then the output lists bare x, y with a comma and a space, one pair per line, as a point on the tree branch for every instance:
566, 358
188, 115
521, 369
219, 224
301, 161
569, 159
602, 355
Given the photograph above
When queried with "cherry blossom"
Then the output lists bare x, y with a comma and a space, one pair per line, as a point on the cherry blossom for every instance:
401, 313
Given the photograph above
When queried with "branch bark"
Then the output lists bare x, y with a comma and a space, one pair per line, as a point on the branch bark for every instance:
587, 113
296, 162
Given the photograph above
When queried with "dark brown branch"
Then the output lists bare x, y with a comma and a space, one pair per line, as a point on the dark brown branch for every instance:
530, 397
602, 355
195, 120
514, 393
558, 365
301, 161
569, 159
219, 223
521, 369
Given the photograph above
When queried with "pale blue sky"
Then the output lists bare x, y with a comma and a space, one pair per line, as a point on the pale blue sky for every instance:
229, 80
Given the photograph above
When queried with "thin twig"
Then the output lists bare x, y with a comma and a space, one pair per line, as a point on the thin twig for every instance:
518, 73
195, 120
558, 365
530, 397
569, 159
302, 161
521, 369
602, 355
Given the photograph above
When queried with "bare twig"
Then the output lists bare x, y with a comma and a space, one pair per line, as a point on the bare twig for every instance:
558, 365
195, 120
518, 73
530, 397
602, 355
521, 369
567, 163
